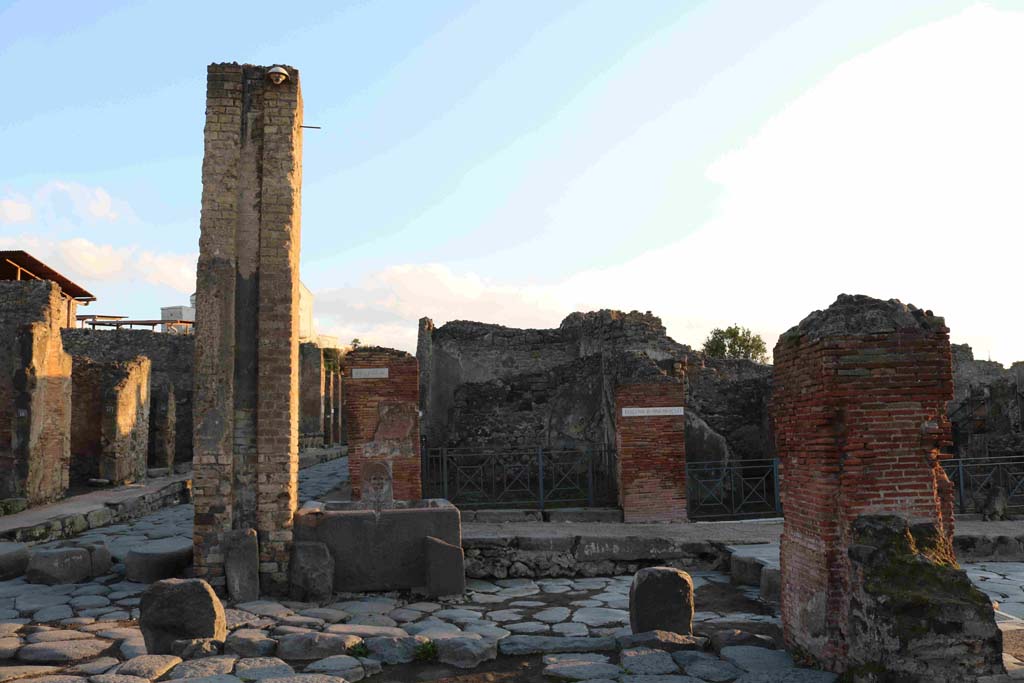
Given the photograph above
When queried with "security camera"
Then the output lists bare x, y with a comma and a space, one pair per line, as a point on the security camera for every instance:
277, 75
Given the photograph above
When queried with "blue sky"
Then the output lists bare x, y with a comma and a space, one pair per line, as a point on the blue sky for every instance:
515, 161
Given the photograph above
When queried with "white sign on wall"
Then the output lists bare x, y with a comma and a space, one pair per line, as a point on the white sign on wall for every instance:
369, 373
652, 412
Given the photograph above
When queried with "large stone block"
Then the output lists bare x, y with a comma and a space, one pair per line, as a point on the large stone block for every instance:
179, 609
446, 572
155, 560
13, 560
242, 565
59, 565
661, 599
311, 572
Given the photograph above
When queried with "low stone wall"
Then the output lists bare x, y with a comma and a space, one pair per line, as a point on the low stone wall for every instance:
500, 557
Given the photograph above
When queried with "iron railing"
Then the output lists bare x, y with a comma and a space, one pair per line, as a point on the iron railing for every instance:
533, 478
746, 489
976, 480
311, 440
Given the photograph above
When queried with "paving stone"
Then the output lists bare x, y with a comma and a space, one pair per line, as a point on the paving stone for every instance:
662, 640
553, 615
395, 650
13, 559
465, 652
9, 647
328, 615
150, 667
7, 630
57, 635
64, 651
94, 667
710, 669
299, 620
334, 665
312, 646
265, 608
428, 607
89, 601
402, 614
734, 636
373, 620
529, 645
133, 647
586, 603
204, 668
488, 631
10, 673
116, 678
422, 627
262, 668
196, 648
116, 615
647, 678
366, 631
581, 671
37, 600
752, 658
600, 616
528, 627
236, 618
456, 614
519, 591
307, 678
250, 643
368, 606
480, 586
371, 666
528, 603
125, 633
571, 629
790, 676
644, 660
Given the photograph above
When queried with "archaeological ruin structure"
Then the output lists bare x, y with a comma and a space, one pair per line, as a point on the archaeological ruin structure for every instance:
859, 411
246, 409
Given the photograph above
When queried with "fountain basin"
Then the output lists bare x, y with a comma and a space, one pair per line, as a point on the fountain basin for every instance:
388, 550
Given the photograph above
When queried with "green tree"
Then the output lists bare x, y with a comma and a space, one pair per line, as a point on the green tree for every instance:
355, 343
736, 342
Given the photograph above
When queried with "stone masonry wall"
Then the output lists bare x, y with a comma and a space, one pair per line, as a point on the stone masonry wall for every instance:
859, 400
652, 453
171, 382
382, 415
35, 392
110, 420
311, 388
246, 364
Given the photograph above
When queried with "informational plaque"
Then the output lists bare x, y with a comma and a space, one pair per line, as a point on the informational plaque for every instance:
369, 373
652, 412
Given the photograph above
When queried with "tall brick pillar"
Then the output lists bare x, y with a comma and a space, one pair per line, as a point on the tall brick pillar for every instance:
311, 388
246, 370
859, 410
650, 438
381, 407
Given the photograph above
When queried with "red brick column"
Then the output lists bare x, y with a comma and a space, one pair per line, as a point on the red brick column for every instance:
859, 411
652, 451
381, 409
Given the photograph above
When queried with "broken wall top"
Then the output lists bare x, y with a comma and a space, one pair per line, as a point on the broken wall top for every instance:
854, 315
26, 301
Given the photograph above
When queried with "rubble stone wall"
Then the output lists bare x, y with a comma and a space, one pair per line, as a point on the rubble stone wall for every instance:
311, 388
652, 452
246, 409
35, 392
382, 414
860, 392
171, 378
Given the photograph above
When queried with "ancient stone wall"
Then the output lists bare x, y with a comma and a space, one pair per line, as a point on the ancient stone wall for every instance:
246, 364
35, 392
110, 420
483, 385
381, 409
172, 357
860, 391
651, 443
311, 388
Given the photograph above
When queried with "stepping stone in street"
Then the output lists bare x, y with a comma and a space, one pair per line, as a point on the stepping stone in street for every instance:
156, 560
661, 598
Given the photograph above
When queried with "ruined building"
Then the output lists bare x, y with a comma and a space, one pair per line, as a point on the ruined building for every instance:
494, 386
246, 408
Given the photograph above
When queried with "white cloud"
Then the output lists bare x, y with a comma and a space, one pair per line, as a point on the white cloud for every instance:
87, 203
86, 262
898, 175
15, 210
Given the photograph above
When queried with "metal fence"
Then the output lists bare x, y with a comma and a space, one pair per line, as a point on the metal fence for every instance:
534, 478
977, 481
738, 490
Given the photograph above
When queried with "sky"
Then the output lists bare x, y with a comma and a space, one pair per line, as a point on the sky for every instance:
715, 162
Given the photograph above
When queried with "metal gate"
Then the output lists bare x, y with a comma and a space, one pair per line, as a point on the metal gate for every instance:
747, 489
533, 478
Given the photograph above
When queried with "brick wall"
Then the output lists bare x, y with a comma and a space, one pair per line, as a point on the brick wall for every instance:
311, 388
652, 453
246, 402
382, 417
35, 392
859, 415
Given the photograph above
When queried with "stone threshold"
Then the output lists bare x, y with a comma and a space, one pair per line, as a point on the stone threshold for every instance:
75, 515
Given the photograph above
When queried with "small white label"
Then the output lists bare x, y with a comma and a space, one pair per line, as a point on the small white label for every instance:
369, 373
652, 412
